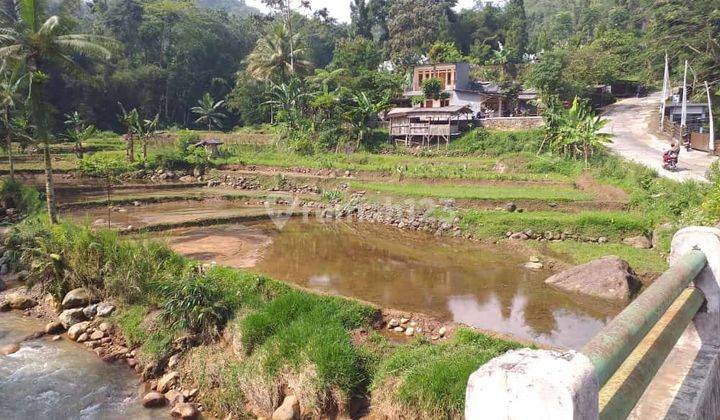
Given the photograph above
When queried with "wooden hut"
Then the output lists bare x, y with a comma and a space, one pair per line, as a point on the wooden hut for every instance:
423, 126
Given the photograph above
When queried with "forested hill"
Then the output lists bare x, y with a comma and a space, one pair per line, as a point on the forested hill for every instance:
167, 54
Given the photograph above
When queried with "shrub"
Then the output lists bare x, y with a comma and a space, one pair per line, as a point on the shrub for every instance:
14, 194
196, 303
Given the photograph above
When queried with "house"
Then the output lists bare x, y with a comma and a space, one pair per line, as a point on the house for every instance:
485, 99
698, 115
421, 126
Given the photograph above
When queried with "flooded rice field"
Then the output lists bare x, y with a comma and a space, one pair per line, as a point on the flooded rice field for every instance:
477, 284
157, 213
60, 379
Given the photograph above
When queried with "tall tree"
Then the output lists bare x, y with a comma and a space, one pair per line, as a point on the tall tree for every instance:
35, 41
360, 19
272, 58
414, 25
516, 35
10, 98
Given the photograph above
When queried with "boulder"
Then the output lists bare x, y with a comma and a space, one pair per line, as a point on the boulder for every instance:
185, 411
76, 298
288, 410
174, 396
16, 301
97, 335
54, 327
532, 265
70, 317
519, 236
2, 285
640, 242
105, 309
76, 330
510, 207
607, 278
167, 381
90, 311
9, 349
154, 399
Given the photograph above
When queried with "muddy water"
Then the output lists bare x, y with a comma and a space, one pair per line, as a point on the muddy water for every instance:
451, 279
62, 380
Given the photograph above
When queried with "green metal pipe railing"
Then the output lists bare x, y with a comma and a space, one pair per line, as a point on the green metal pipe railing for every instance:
612, 345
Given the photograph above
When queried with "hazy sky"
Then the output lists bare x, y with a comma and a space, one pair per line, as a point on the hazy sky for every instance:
340, 9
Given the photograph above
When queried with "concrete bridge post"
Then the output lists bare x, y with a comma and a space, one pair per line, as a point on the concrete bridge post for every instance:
549, 384
707, 240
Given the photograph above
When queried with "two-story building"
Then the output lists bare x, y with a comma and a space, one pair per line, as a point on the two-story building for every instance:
438, 120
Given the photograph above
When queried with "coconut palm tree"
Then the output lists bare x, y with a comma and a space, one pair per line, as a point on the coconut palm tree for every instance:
208, 112
10, 97
273, 57
35, 41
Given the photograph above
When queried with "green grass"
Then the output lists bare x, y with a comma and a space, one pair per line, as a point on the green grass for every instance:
428, 381
613, 225
478, 192
642, 260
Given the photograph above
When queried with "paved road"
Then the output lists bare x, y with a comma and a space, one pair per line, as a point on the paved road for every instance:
629, 121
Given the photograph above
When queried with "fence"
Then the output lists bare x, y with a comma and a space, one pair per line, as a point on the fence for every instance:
608, 376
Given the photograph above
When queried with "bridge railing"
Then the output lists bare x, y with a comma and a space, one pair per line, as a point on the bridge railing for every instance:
608, 376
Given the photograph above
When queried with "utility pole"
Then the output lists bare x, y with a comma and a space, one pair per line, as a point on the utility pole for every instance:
683, 117
290, 35
666, 88
711, 139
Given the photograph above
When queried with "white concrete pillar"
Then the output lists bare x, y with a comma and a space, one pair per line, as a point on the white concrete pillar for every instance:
706, 239
533, 384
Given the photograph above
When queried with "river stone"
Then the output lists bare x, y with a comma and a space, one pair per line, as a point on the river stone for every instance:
54, 327
174, 396
2, 285
640, 242
167, 381
70, 317
21, 302
90, 311
288, 410
97, 335
76, 298
393, 323
9, 349
153, 399
533, 265
77, 329
608, 278
186, 411
105, 309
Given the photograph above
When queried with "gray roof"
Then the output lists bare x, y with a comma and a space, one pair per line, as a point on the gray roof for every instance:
208, 142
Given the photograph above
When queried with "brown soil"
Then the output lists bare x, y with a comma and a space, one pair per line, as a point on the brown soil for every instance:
603, 192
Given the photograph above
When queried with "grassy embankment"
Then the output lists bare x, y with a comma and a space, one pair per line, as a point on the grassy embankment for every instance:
285, 339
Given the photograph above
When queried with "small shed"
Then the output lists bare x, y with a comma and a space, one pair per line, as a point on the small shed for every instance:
211, 145
423, 125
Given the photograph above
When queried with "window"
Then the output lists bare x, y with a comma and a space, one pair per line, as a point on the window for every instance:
445, 102
428, 104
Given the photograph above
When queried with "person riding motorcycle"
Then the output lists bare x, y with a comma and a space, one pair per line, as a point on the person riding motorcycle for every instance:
670, 158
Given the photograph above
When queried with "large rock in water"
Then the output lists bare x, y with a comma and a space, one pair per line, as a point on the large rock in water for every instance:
70, 317
76, 298
607, 278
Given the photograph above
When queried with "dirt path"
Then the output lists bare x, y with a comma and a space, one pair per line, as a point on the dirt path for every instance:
629, 124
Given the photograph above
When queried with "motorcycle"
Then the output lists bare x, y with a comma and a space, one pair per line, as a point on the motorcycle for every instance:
686, 143
670, 161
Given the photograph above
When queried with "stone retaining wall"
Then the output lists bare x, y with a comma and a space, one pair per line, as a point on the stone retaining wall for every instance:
512, 123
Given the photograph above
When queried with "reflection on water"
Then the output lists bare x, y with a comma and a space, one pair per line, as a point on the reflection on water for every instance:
62, 380
479, 285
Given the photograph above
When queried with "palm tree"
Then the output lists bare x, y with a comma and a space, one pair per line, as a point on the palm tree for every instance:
289, 99
131, 120
149, 127
78, 131
362, 114
35, 41
277, 56
10, 96
208, 112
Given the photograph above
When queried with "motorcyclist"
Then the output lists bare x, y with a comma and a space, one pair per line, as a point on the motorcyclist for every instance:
670, 157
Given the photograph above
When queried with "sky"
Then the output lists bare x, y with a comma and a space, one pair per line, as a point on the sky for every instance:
340, 9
